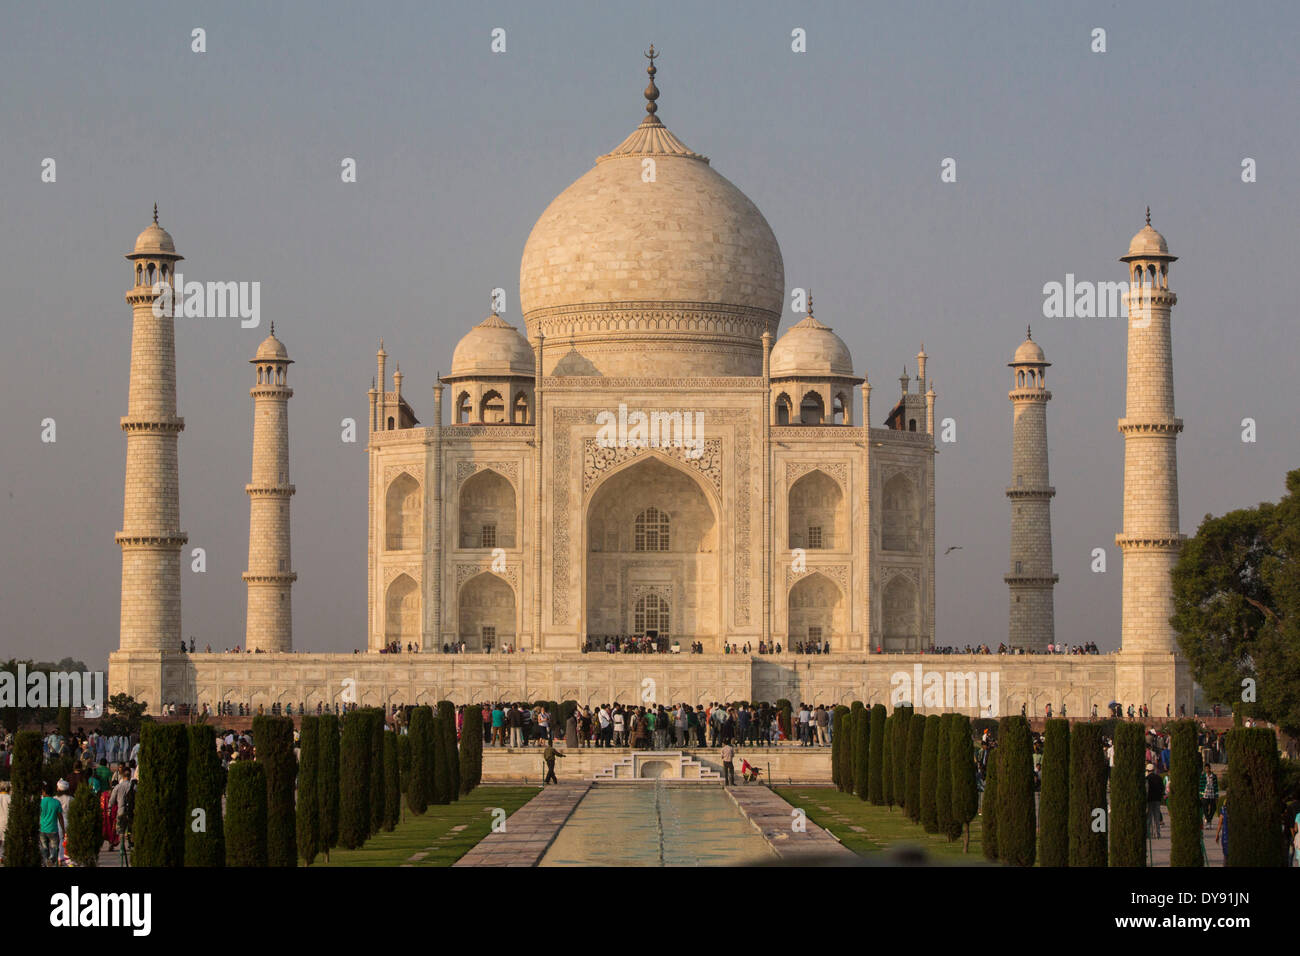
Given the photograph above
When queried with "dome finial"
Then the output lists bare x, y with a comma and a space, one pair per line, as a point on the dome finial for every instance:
651, 91
1029, 332
1148, 215
273, 327
155, 214
810, 308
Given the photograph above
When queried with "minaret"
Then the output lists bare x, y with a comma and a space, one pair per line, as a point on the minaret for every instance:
1150, 541
1031, 578
151, 539
270, 576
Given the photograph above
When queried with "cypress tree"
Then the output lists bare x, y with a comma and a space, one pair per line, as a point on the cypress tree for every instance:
64, 721
1186, 842
876, 758
898, 762
246, 814
887, 762
1128, 797
1017, 837
204, 785
419, 789
392, 783
377, 786
915, 747
308, 822
447, 716
853, 758
354, 780
965, 793
1054, 797
1254, 821
158, 831
930, 773
943, 781
1087, 795
989, 805
861, 752
441, 764
327, 789
83, 827
404, 757
471, 745
273, 738
839, 734
22, 845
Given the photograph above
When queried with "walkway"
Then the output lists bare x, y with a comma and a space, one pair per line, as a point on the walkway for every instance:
773, 818
529, 830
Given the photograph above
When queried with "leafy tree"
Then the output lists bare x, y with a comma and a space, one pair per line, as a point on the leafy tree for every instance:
1087, 796
83, 827
158, 831
273, 738
965, 792
1237, 607
125, 716
471, 745
246, 814
1017, 829
308, 809
876, 756
392, 783
22, 845
447, 716
1128, 797
1186, 839
1054, 797
328, 783
989, 805
930, 774
205, 782
915, 747
354, 778
1254, 822
419, 790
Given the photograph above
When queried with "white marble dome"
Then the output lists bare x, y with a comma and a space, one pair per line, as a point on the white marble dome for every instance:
1147, 243
811, 350
1029, 353
155, 240
271, 349
676, 276
492, 349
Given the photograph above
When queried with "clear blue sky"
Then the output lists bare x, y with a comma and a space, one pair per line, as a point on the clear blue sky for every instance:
1058, 151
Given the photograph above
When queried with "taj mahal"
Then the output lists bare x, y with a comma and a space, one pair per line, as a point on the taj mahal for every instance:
648, 461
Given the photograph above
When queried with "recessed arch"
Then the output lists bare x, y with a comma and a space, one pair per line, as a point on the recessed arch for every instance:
486, 607
402, 514
901, 615
402, 611
487, 511
464, 409
492, 408
812, 409
817, 516
815, 610
784, 408
902, 519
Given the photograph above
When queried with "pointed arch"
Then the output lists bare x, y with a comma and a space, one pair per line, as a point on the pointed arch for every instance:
902, 517
403, 512
402, 611
487, 612
487, 511
812, 408
901, 615
815, 610
817, 515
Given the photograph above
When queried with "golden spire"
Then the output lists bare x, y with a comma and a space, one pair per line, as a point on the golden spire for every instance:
651, 91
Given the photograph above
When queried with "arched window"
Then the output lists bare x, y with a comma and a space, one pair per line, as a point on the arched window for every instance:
837, 410
651, 532
392, 423
651, 614
911, 425
812, 411
521, 409
493, 409
464, 409
1020, 379
783, 409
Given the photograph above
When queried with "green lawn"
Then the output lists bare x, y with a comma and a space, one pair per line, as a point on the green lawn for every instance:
881, 828
432, 833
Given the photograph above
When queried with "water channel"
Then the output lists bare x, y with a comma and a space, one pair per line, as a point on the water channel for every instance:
657, 825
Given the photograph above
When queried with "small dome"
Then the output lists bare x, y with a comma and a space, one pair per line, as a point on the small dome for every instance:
271, 348
155, 240
1029, 353
494, 347
811, 350
1148, 242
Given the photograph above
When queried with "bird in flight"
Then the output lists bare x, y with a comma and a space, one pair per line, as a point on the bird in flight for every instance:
955, 547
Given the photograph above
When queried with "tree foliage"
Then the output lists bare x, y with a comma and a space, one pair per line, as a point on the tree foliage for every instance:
1087, 796
471, 744
1254, 817
912, 786
1128, 797
246, 814
308, 809
1054, 796
354, 780
83, 827
961, 759
205, 783
158, 831
1017, 826
1186, 839
273, 738
327, 789
930, 774
419, 789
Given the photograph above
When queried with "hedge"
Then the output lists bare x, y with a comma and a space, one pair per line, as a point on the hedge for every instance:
377, 787
246, 814
158, 830
1254, 820
930, 774
1054, 797
273, 739
1186, 839
1128, 797
308, 822
1087, 795
205, 782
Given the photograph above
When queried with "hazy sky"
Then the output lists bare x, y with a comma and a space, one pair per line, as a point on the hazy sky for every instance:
1058, 151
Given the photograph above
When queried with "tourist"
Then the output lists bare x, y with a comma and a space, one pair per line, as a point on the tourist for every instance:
823, 722
1209, 790
549, 755
728, 755
1155, 796
51, 824
1221, 834
4, 816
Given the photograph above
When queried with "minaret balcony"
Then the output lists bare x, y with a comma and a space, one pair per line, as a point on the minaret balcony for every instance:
1045, 491
1168, 426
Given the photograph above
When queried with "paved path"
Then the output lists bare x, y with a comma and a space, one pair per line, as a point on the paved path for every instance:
774, 819
529, 830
